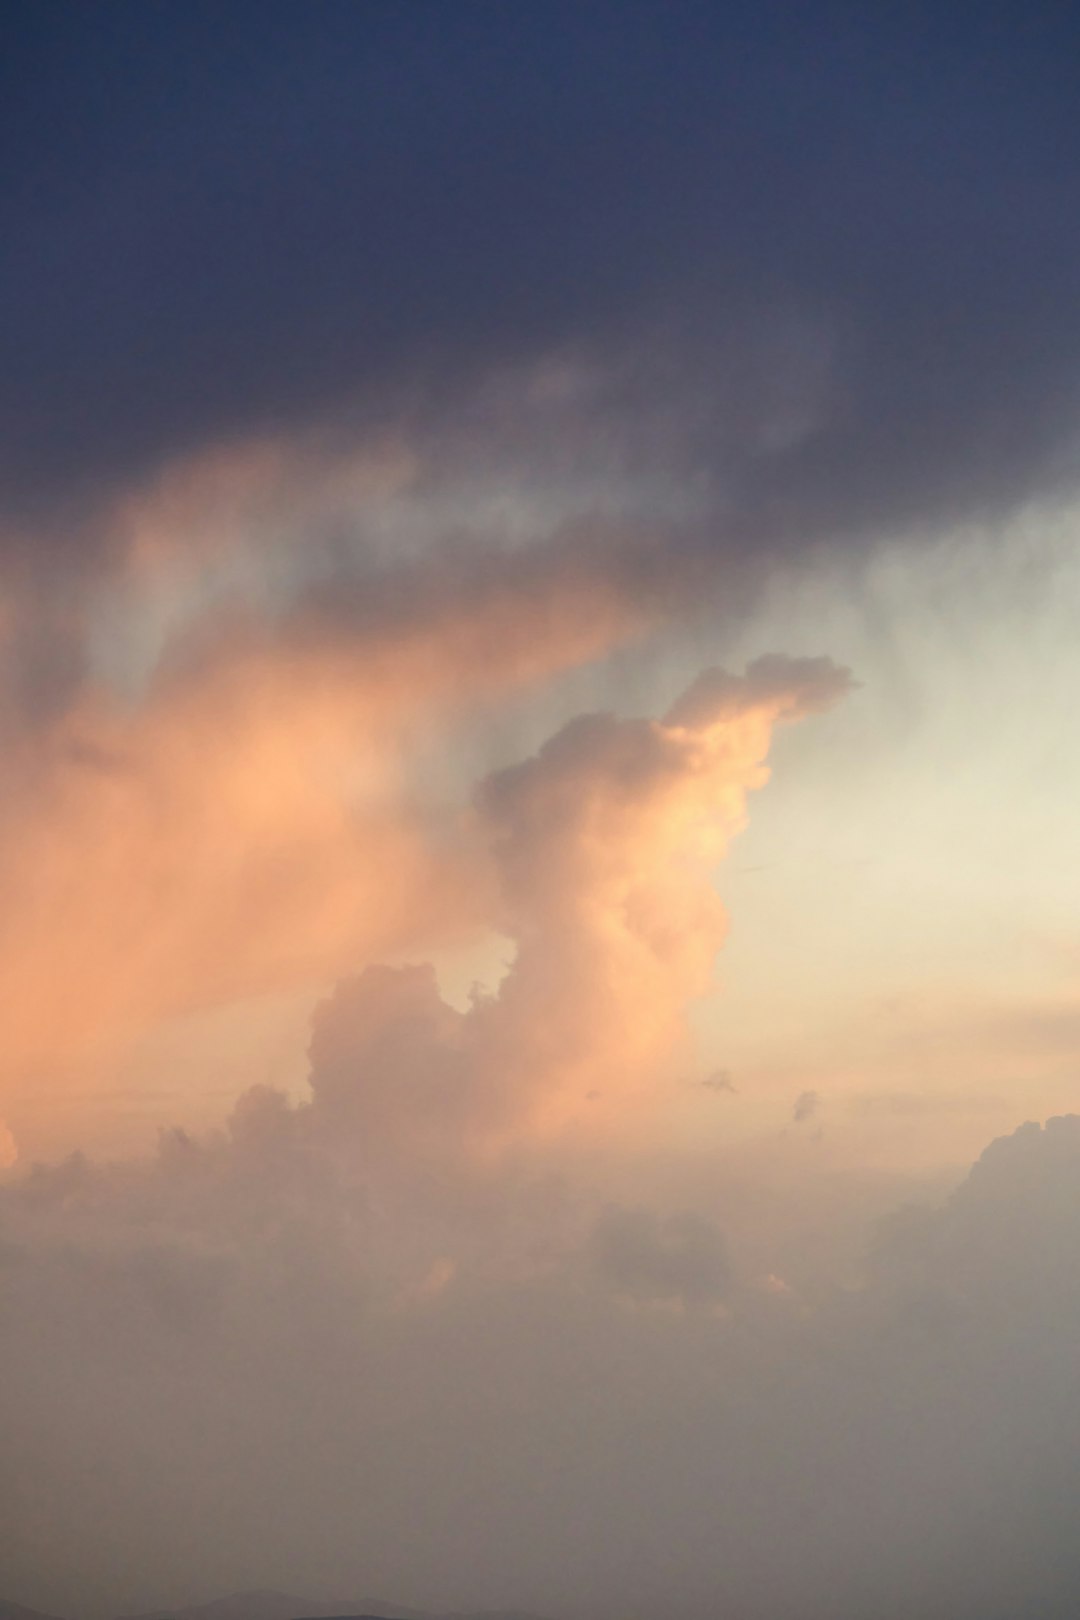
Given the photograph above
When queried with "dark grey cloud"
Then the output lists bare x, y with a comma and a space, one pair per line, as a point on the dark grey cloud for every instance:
825, 261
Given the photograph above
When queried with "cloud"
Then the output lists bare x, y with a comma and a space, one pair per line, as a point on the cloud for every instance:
789, 688
602, 846
253, 1309
679, 1259
824, 329
418, 1277
1009, 1231
247, 816
720, 1080
400, 370
807, 1104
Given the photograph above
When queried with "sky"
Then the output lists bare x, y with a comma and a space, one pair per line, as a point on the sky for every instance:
539, 947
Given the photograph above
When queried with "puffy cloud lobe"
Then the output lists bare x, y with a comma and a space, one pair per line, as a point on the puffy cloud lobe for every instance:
790, 688
389, 1062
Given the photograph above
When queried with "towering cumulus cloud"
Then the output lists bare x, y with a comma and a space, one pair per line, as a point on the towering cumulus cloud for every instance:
604, 843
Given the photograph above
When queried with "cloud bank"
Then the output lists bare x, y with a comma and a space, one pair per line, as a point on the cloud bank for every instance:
588, 1408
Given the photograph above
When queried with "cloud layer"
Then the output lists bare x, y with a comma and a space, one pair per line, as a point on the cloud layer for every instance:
245, 1350
838, 249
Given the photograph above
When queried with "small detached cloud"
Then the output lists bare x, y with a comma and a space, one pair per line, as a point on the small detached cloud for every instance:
807, 1107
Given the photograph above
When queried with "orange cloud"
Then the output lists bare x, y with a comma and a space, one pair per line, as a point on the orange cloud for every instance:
247, 824
605, 843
